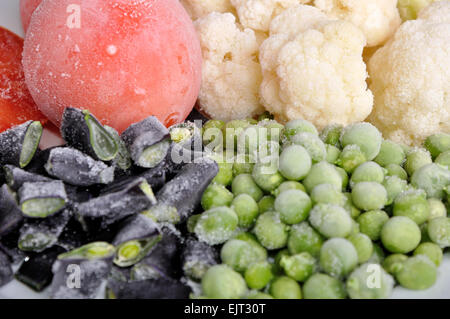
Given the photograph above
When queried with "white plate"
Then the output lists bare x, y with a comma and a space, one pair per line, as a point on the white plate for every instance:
10, 19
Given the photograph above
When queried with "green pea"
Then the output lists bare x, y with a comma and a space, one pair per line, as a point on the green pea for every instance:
284, 287
372, 222
400, 235
369, 196
295, 162
303, 238
396, 170
299, 126
225, 174
322, 173
274, 130
271, 232
313, 144
331, 220
222, 282
437, 208
415, 159
390, 153
293, 205
363, 245
239, 254
216, 225
299, 266
338, 257
417, 273
231, 131
288, 185
328, 194
251, 239
378, 254
393, 263
432, 178
366, 136
258, 275
367, 172
444, 159
246, 209
276, 267
267, 203
350, 208
258, 295
437, 144
369, 281
431, 250
343, 175
332, 153
321, 286
250, 139
412, 204
350, 158
266, 176
244, 184
439, 231
211, 130
216, 195
331, 134
192, 221
394, 186
243, 165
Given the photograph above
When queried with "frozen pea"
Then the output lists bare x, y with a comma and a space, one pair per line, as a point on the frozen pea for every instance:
192, 221
367, 172
363, 245
328, 194
293, 205
299, 266
330, 220
295, 162
444, 159
267, 203
439, 231
369, 196
412, 204
274, 130
394, 186
243, 165
396, 170
344, 176
431, 250
331, 134
244, 184
267, 176
322, 173
415, 159
276, 267
299, 126
246, 209
393, 263
437, 144
251, 239
437, 208
303, 238
432, 178
378, 254
322, 286
390, 153
371, 223
216, 195
271, 232
225, 174
222, 282
313, 144
231, 131
350, 208
338, 257
417, 273
216, 225
400, 235
350, 158
366, 136
258, 275
288, 185
258, 295
284, 287
362, 284
239, 254
332, 153
355, 228
209, 135
424, 233
250, 139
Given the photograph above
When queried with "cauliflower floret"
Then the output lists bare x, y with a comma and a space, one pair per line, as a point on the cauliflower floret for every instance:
201, 8
410, 78
257, 14
378, 19
313, 69
231, 74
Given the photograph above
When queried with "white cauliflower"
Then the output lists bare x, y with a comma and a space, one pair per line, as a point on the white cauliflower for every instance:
257, 14
231, 74
201, 8
313, 69
378, 19
410, 78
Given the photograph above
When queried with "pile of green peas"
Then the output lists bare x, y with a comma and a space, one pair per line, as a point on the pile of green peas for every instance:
341, 206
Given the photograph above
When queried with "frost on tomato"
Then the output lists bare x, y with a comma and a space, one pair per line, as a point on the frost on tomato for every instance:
27, 8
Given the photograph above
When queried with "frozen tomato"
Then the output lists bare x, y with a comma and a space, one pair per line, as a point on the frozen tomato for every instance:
124, 60
16, 103
27, 8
